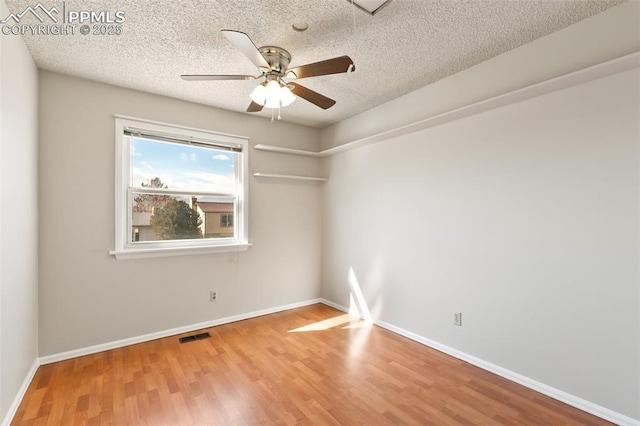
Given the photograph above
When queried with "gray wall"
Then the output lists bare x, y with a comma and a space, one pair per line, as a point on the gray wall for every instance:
524, 218
18, 216
86, 296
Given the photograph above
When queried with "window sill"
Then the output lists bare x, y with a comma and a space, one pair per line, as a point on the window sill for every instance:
177, 251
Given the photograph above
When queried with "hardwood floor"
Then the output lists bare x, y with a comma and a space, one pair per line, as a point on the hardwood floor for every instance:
311, 365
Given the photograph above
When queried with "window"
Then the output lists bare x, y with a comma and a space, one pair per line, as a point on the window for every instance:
226, 220
178, 190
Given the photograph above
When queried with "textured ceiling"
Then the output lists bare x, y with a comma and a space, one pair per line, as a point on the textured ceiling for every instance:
408, 44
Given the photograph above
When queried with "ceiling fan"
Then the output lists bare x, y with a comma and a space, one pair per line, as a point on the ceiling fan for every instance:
273, 63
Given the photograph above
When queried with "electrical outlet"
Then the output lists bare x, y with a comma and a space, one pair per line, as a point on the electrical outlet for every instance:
213, 296
457, 318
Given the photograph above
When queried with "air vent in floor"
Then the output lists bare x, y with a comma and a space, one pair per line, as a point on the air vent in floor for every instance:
194, 337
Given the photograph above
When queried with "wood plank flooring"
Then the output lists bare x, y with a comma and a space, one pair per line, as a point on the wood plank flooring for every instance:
307, 366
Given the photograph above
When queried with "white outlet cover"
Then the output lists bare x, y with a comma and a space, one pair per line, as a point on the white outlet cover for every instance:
457, 318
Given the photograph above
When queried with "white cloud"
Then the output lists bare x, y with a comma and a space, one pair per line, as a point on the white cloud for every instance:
222, 157
201, 181
209, 181
139, 176
188, 157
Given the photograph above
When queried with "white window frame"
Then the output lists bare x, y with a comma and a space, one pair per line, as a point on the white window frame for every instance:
124, 248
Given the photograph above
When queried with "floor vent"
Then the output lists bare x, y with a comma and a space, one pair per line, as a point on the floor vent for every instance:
194, 337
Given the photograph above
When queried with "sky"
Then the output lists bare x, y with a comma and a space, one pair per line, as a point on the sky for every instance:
182, 166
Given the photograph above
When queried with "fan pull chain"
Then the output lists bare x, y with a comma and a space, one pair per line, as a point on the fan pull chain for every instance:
273, 118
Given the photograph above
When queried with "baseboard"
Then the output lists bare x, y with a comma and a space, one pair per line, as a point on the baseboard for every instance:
171, 332
562, 396
13, 408
334, 305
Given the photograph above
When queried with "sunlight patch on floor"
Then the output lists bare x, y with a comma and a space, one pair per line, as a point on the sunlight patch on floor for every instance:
357, 323
328, 323
359, 315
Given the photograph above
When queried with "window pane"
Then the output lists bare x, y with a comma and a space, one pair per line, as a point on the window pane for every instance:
178, 166
217, 218
178, 217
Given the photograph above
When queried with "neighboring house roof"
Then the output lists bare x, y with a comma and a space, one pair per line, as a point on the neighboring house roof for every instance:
141, 218
208, 207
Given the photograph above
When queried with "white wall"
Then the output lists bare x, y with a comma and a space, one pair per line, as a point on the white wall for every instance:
86, 296
18, 216
524, 218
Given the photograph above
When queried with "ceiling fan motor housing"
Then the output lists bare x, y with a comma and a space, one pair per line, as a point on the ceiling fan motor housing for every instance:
277, 58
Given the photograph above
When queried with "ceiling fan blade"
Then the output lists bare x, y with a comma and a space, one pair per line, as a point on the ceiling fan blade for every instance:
203, 77
330, 66
311, 96
254, 107
246, 46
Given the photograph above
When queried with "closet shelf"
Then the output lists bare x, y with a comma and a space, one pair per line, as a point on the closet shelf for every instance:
292, 177
282, 150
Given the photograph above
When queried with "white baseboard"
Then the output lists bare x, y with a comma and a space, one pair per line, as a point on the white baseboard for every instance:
13, 409
562, 396
334, 305
166, 333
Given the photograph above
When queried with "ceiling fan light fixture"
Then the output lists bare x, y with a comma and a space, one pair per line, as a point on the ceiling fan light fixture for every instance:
272, 103
286, 97
272, 94
273, 89
259, 94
